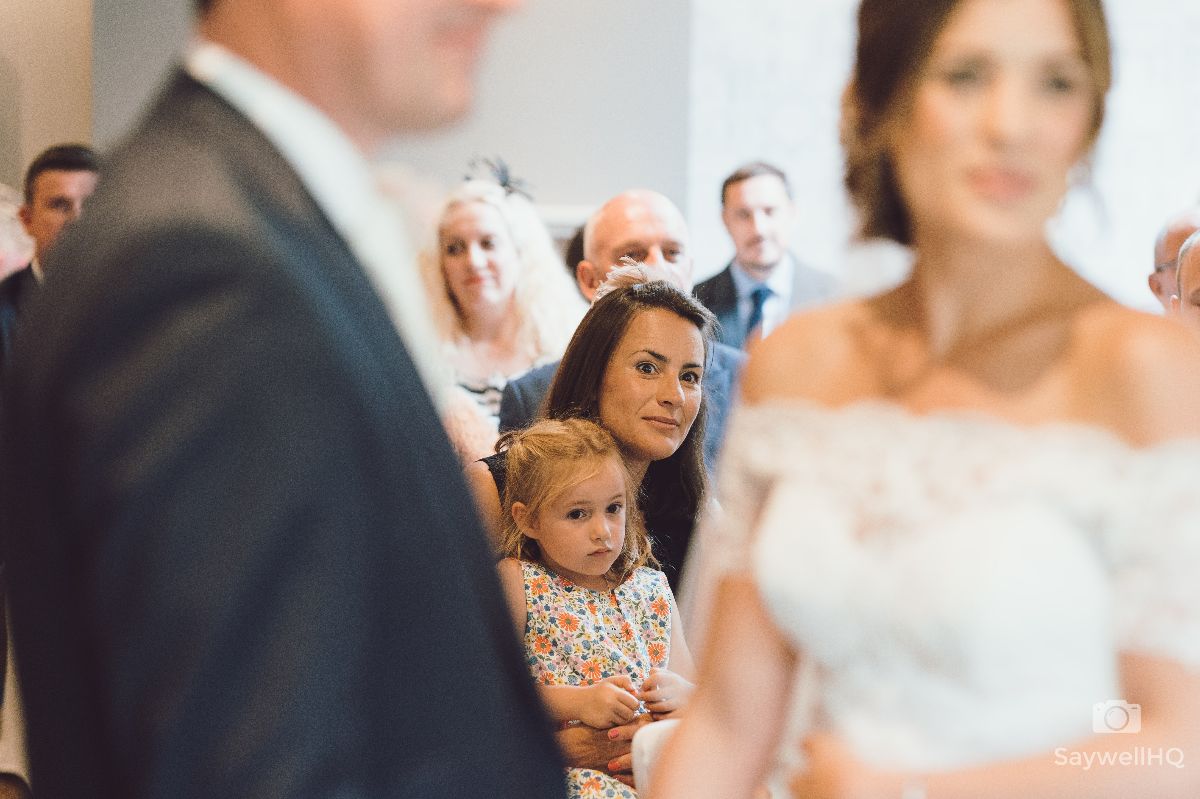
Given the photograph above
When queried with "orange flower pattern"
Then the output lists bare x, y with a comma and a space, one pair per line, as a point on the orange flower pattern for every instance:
578, 636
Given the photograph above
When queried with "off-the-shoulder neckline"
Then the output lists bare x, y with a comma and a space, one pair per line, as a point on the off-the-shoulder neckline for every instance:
960, 418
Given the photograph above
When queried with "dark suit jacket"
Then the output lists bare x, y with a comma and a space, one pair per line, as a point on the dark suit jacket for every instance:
15, 291
246, 564
522, 398
719, 295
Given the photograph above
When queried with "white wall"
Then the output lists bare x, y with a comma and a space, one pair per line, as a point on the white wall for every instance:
583, 99
135, 42
45, 79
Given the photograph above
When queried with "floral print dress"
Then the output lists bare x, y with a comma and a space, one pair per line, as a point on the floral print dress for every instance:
579, 636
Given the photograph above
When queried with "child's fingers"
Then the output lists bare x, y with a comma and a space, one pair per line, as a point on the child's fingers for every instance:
629, 701
622, 681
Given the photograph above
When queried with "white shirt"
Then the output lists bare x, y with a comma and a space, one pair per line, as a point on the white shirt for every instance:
343, 185
778, 305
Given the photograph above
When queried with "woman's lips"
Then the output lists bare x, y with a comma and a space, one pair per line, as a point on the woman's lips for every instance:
1002, 184
663, 421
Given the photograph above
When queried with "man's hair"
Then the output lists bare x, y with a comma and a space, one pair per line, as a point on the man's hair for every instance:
65, 157
203, 6
754, 169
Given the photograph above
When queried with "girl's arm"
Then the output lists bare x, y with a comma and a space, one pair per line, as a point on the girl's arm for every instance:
724, 744
512, 583
666, 691
1159, 761
608, 703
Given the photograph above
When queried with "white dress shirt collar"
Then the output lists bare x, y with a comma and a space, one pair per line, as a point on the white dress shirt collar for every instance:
343, 185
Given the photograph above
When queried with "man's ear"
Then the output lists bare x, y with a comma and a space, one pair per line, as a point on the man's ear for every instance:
520, 514
589, 278
25, 214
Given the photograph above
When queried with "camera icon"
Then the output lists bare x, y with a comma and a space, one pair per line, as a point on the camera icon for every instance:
1116, 716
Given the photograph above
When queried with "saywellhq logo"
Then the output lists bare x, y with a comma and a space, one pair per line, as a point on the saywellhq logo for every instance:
1144, 756
1118, 717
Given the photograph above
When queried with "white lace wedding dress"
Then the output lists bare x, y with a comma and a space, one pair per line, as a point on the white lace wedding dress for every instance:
959, 587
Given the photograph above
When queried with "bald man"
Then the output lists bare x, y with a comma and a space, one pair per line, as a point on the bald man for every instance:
243, 559
1185, 302
646, 226
1163, 280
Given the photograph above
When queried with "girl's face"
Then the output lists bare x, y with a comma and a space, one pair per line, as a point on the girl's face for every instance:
479, 259
581, 533
650, 394
999, 114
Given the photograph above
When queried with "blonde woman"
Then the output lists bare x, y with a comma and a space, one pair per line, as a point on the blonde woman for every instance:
500, 298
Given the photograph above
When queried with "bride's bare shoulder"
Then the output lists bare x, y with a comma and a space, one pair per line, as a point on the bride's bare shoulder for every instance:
1140, 373
816, 355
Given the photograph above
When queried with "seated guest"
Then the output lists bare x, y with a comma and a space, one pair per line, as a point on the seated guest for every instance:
499, 298
764, 282
645, 226
1185, 303
575, 544
636, 367
1164, 278
57, 183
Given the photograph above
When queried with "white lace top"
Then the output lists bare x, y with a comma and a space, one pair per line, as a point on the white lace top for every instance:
960, 586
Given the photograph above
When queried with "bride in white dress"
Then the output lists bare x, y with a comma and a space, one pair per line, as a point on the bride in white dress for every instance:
962, 516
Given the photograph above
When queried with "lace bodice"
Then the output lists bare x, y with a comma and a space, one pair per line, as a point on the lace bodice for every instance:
961, 586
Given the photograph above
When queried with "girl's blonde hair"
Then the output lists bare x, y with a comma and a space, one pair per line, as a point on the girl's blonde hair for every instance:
543, 462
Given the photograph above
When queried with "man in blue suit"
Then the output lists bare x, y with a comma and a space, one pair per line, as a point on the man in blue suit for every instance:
645, 226
243, 559
764, 282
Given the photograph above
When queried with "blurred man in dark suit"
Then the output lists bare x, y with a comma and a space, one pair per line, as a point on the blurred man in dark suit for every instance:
243, 561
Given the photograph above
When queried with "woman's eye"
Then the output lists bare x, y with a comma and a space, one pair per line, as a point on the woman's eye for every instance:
487, 243
1060, 84
691, 377
646, 368
963, 77
454, 249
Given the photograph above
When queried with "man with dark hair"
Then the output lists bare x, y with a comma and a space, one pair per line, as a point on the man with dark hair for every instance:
764, 282
243, 559
57, 184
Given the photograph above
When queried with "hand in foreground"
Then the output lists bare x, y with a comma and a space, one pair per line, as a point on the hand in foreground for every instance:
832, 772
610, 702
603, 750
665, 692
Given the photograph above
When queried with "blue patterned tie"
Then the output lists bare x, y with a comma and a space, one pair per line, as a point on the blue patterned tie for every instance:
758, 298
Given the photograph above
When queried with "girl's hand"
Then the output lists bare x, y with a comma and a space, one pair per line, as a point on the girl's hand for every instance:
834, 773
609, 703
665, 692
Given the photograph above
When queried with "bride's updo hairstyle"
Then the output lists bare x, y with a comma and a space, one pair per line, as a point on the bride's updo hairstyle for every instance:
895, 38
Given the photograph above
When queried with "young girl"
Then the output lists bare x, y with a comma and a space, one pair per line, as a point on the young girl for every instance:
601, 630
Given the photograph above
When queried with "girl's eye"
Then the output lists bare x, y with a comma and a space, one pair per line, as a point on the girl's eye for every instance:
486, 243
455, 248
576, 514
616, 507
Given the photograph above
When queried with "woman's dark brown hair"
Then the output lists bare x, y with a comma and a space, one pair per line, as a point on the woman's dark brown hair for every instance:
673, 487
895, 38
